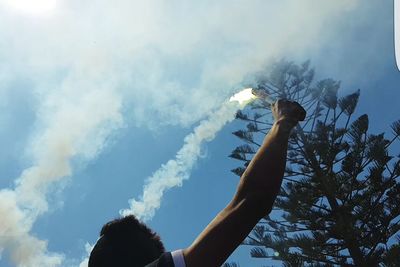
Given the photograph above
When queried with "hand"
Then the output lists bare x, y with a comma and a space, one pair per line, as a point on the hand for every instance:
291, 111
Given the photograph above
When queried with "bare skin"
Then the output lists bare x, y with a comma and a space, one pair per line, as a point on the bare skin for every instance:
255, 195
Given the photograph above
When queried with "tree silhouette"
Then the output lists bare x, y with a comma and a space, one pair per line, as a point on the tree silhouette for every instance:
340, 201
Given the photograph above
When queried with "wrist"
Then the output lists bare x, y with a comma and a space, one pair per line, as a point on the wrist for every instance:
284, 125
286, 122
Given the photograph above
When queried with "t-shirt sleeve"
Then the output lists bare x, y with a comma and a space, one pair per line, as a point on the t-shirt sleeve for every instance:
178, 259
165, 260
168, 259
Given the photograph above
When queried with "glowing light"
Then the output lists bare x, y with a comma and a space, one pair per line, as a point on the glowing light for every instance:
32, 7
276, 254
244, 96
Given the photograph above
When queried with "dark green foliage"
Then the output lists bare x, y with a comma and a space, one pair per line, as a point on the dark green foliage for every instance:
340, 202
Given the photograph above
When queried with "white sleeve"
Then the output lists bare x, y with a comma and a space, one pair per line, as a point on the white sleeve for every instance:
177, 257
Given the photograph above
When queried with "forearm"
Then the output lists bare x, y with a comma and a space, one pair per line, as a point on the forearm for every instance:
263, 177
254, 198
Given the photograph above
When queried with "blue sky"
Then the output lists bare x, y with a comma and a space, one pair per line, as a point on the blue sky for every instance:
105, 94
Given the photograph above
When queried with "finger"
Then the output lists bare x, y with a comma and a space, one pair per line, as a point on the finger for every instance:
301, 112
280, 102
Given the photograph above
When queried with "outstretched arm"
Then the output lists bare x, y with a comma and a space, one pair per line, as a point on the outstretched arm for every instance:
256, 193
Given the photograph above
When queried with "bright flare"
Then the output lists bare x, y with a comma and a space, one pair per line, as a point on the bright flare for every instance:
32, 7
244, 96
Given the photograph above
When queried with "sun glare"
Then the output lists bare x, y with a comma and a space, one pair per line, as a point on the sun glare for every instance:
32, 7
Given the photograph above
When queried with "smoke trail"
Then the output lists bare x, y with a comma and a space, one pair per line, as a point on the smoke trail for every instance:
175, 171
76, 124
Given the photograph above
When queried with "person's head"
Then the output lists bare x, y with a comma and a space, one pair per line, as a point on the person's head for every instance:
126, 242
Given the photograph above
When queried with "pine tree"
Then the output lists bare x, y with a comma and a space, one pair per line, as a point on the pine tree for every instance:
340, 201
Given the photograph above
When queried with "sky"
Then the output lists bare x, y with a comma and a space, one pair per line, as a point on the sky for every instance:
96, 96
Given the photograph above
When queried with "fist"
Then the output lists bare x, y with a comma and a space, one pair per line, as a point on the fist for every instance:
288, 110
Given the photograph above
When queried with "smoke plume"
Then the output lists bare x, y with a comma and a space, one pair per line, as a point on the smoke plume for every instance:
76, 123
175, 171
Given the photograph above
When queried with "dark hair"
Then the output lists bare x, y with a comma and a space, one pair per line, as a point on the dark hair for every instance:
126, 242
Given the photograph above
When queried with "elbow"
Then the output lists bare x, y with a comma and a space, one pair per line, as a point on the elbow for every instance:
259, 205
259, 196
263, 202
